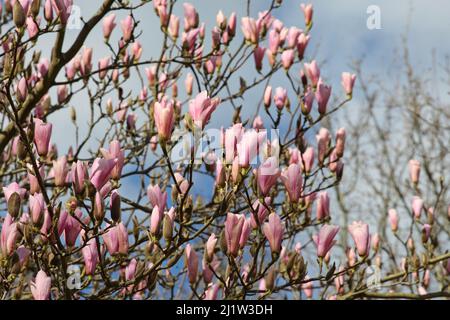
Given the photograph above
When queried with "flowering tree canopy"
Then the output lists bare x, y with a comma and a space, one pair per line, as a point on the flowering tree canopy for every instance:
206, 171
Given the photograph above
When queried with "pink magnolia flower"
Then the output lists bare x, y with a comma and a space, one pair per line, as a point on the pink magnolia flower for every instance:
209, 247
340, 142
308, 101
108, 25
414, 171
233, 230
157, 197
393, 219
348, 81
174, 26
48, 11
122, 236
267, 96
42, 134
164, 117
188, 83
426, 232
280, 97
308, 159
246, 230
267, 175
32, 27
40, 287
293, 181
9, 235
60, 171
302, 43
72, 228
14, 187
191, 261
22, 90
287, 58
261, 212
324, 240
78, 176
190, 16
250, 29
417, 206
247, 147
313, 72
111, 239
37, 206
115, 152
90, 256
258, 123
155, 221
127, 26
323, 206
258, 54
101, 171
323, 93
308, 287
63, 8
103, 65
323, 141
273, 230
360, 234
308, 12
232, 21
201, 108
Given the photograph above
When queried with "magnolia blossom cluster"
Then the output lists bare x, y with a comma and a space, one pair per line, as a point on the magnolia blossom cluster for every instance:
119, 205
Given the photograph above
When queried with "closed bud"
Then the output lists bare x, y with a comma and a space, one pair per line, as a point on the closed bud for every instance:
223, 242
18, 15
270, 278
115, 206
35, 6
14, 204
99, 207
167, 228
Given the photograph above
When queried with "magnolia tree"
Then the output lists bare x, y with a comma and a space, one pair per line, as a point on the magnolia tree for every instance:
123, 215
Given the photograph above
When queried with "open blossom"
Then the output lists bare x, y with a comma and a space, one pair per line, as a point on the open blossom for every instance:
324, 240
101, 171
201, 108
114, 152
14, 187
267, 175
40, 287
273, 230
250, 29
313, 72
9, 235
63, 8
360, 234
292, 180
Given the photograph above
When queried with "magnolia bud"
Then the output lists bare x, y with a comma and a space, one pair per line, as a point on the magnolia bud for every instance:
18, 15
115, 206
35, 6
270, 279
167, 228
14, 204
